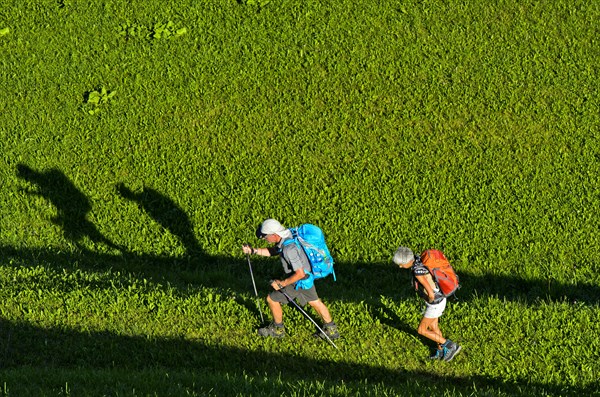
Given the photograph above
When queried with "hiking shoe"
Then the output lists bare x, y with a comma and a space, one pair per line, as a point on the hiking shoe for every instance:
438, 355
331, 331
451, 350
273, 330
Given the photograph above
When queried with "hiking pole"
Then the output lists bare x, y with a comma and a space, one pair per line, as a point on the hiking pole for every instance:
305, 314
262, 319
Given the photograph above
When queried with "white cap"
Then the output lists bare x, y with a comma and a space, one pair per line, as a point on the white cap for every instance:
272, 226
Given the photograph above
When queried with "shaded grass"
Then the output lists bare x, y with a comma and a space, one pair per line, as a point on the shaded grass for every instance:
182, 366
89, 313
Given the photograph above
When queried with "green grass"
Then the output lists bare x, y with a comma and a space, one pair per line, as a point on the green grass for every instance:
142, 144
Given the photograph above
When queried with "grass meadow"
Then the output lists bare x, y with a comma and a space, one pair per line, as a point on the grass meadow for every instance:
142, 143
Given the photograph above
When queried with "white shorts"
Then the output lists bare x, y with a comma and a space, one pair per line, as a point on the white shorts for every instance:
434, 311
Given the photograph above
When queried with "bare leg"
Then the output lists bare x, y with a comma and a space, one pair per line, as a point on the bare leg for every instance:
320, 307
434, 326
429, 328
276, 310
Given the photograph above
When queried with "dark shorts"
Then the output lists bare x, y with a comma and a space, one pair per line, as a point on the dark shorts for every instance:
302, 296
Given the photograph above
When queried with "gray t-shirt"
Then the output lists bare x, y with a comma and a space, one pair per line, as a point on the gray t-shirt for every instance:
293, 257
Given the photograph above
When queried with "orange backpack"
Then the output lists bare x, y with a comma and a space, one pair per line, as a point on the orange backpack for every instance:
442, 272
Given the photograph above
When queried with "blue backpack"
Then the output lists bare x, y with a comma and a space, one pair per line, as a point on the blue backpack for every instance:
312, 241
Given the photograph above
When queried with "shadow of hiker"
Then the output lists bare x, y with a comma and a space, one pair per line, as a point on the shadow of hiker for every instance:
72, 209
169, 215
71, 205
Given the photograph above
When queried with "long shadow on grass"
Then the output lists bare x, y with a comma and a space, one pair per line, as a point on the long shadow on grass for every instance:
168, 214
72, 206
368, 280
356, 281
24, 345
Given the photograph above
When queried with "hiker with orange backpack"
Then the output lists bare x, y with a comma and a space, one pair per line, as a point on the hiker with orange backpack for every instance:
435, 280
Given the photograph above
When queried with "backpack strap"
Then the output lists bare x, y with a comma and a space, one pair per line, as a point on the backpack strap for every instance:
419, 269
307, 281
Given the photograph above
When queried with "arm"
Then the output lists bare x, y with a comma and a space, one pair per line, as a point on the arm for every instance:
248, 249
426, 281
262, 251
297, 261
297, 276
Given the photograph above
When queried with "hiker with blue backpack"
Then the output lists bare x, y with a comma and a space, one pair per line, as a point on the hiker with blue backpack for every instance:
304, 257
434, 280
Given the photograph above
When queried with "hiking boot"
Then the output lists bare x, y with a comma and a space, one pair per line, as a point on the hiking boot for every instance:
450, 350
330, 330
273, 330
438, 355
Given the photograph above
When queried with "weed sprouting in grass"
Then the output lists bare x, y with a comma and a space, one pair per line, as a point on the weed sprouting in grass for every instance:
97, 98
260, 3
158, 30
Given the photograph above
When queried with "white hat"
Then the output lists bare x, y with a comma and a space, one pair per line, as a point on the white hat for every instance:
272, 226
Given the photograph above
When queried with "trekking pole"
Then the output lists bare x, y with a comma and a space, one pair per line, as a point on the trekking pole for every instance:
254, 285
305, 314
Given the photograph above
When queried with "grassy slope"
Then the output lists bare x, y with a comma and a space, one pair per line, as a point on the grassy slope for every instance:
468, 127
